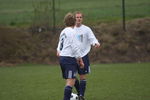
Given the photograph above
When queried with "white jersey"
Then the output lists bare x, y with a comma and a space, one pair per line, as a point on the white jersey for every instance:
86, 38
68, 45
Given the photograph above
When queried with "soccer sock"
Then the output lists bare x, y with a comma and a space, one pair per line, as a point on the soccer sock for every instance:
67, 92
82, 87
77, 86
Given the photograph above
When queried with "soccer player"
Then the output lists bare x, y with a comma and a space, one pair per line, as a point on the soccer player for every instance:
69, 54
86, 38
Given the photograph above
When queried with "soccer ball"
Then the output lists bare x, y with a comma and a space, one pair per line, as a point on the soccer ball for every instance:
74, 96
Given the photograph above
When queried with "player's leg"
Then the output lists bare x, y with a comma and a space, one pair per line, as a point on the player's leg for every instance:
77, 86
82, 84
69, 69
68, 88
83, 76
70, 81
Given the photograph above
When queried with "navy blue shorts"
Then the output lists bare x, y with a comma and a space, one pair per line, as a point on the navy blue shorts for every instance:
86, 68
68, 67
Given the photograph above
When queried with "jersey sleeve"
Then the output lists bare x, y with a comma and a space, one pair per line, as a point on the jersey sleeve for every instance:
59, 43
58, 47
92, 37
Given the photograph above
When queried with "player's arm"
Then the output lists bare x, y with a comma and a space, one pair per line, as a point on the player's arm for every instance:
93, 41
58, 50
59, 47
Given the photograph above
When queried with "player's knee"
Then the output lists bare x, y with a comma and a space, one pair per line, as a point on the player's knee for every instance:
82, 77
70, 82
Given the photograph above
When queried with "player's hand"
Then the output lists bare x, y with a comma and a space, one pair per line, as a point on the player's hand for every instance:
80, 62
57, 54
97, 45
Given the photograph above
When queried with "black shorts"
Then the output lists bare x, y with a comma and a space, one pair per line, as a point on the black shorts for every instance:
86, 68
68, 67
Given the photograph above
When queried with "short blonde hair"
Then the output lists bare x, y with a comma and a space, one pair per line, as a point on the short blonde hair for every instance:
78, 12
69, 19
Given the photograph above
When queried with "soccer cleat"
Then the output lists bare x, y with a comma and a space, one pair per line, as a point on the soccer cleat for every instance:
81, 98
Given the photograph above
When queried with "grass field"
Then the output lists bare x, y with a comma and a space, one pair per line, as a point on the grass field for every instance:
106, 82
20, 12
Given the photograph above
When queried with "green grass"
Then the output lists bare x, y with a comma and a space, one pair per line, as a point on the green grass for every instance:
22, 11
106, 82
